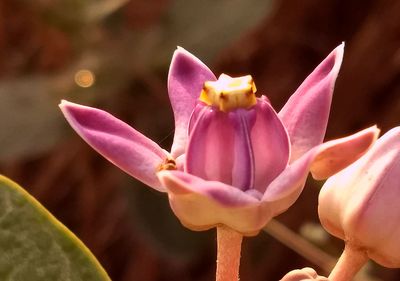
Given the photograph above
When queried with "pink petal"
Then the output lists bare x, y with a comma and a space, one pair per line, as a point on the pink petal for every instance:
220, 147
286, 188
306, 113
271, 145
203, 155
117, 142
186, 77
244, 148
243, 156
201, 204
342, 153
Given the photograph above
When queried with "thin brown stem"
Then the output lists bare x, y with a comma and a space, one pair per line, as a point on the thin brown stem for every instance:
349, 263
229, 243
304, 248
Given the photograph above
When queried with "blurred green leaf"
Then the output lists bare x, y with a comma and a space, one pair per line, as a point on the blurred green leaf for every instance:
204, 28
35, 246
29, 121
98, 10
209, 26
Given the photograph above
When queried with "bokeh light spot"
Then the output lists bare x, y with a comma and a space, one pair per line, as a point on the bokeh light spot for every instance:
84, 78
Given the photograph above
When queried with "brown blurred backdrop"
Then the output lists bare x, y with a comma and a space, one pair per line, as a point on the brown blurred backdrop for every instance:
125, 47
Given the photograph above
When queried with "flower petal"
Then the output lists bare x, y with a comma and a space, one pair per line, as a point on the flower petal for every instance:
286, 188
243, 156
186, 77
306, 113
117, 142
201, 204
220, 147
245, 148
271, 146
209, 136
342, 153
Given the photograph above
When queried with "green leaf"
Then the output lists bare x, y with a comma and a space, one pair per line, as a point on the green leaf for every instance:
36, 246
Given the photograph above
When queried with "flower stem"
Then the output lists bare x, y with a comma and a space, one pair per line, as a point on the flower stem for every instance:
229, 243
349, 263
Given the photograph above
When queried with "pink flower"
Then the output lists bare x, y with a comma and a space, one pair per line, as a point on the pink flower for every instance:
360, 205
234, 160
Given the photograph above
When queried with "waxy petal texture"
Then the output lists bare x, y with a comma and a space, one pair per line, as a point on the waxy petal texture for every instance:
341, 153
286, 188
117, 142
271, 145
306, 113
239, 162
201, 205
244, 148
217, 134
186, 77
361, 203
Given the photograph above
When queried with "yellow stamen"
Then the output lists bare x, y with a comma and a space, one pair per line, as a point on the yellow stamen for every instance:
168, 164
229, 93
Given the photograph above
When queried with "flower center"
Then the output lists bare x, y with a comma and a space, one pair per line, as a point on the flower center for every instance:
168, 164
228, 93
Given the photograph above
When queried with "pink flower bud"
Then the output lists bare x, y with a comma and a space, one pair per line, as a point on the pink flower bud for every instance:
361, 206
305, 274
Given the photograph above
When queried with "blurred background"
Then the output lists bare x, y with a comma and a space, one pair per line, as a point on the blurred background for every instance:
115, 54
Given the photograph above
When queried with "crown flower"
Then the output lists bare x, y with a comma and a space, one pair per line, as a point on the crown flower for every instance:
235, 162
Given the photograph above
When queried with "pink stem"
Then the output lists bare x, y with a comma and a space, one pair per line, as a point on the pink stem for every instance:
349, 263
228, 256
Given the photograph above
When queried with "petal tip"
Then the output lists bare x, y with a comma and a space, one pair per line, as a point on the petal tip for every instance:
64, 103
376, 131
306, 113
182, 56
179, 48
183, 59
67, 106
338, 54
75, 113
337, 154
340, 48
370, 134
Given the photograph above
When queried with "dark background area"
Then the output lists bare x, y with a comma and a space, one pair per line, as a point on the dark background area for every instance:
127, 46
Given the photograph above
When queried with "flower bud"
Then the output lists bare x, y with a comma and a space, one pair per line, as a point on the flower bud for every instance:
305, 274
361, 205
